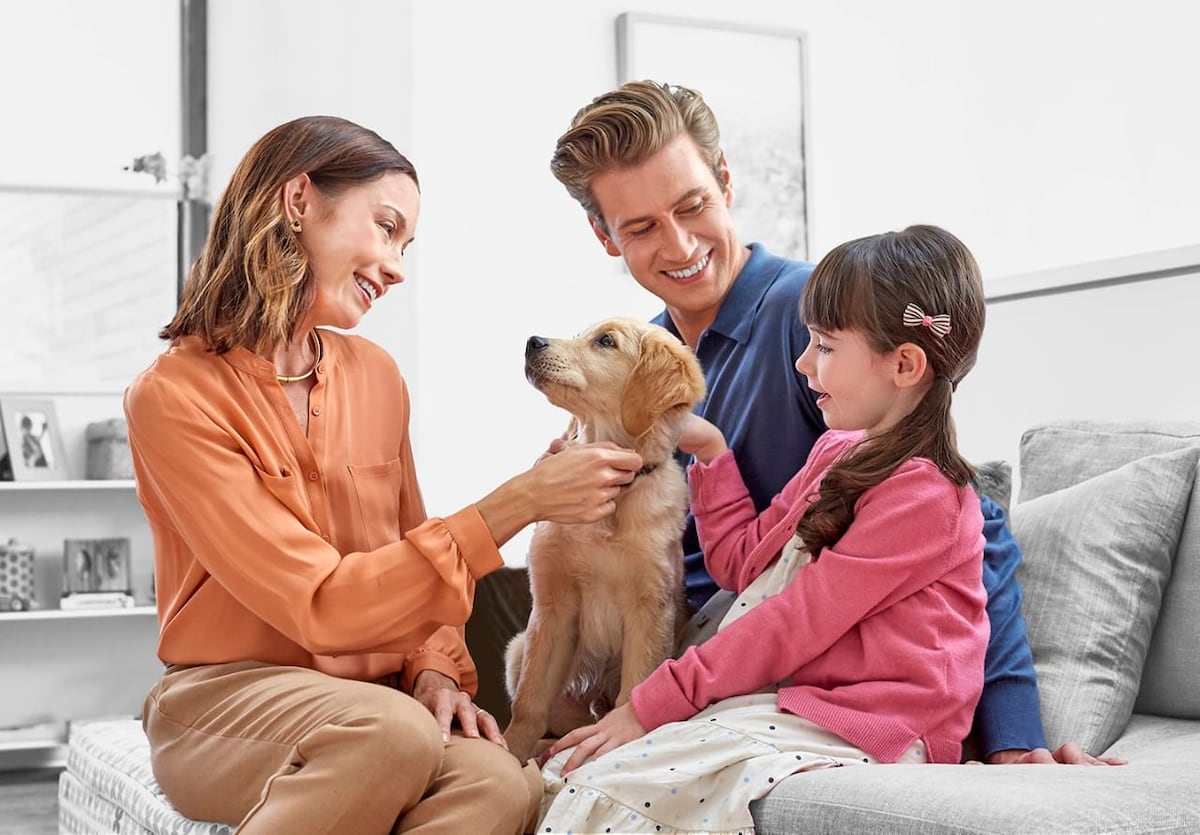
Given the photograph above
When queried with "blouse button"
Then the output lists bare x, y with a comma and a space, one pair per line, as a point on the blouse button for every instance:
316, 411
313, 476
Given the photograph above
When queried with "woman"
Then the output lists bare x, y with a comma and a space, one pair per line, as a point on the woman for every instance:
310, 612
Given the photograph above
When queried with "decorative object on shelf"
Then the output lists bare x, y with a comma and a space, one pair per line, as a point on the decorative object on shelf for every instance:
6, 473
192, 173
35, 447
108, 450
95, 570
16, 578
764, 136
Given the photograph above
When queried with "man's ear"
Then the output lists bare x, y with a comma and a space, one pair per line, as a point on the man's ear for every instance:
604, 238
297, 197
910, 365
726, 180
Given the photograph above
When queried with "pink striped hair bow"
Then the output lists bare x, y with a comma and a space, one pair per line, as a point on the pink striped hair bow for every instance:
915, 316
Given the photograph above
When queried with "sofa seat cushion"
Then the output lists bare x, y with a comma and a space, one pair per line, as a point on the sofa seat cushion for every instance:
1157, 792
108, 786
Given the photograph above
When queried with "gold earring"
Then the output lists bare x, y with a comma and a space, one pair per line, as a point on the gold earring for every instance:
296, 225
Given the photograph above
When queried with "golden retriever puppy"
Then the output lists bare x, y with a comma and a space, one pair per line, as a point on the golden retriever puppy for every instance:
607, 596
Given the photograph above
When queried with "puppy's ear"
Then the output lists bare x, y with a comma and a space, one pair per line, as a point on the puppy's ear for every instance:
571, 433
667, 374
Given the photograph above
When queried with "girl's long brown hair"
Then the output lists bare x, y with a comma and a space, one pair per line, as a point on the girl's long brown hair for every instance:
865, 285
251, 281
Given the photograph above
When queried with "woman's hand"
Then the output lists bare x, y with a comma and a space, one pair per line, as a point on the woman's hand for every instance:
580, 483
576, 484
620, 725
442, 698
556, 446
701, 439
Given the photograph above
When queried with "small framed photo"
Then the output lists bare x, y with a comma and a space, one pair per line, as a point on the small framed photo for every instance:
33, 442
96, 565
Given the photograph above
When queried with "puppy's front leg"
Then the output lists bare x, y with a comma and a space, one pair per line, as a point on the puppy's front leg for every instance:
646, 642
549, 646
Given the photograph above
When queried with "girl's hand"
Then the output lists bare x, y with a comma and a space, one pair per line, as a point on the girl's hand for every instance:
441, 696
620, 725
701, 439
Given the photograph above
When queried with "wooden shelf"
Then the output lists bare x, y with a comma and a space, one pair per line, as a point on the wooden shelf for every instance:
70, 484
55, 614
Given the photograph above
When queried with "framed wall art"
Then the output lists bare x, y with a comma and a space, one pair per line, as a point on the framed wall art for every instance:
757, 90
33, 442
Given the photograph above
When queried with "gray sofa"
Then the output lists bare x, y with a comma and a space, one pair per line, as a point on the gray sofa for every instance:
1109, 526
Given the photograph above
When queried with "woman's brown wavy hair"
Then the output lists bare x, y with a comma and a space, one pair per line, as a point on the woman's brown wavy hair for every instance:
251, 281
865, 285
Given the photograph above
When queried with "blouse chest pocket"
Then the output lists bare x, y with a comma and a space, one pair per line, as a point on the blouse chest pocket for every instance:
376, 494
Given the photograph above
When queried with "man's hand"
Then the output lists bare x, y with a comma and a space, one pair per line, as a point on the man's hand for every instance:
1067, 754
441, 696
620, 725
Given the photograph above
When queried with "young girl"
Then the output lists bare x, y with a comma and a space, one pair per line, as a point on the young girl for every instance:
859, 632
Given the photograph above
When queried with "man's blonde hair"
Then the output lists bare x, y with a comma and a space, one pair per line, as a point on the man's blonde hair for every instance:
627, 126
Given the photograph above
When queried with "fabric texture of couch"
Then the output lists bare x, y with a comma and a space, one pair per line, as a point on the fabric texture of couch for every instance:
1109, 524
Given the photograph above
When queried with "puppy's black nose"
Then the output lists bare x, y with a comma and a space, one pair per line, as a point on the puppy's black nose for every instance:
535, 344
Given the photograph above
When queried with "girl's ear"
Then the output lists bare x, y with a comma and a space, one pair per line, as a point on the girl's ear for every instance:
910, 364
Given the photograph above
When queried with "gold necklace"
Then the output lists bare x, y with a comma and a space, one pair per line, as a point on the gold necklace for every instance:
283, 378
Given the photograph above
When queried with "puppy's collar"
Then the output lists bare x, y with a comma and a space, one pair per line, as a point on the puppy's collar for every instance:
646, 470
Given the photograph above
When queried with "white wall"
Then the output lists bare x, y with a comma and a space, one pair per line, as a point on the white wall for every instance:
1044, 132
1119, 352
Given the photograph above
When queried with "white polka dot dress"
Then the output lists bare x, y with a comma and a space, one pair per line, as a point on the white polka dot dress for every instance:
699, 776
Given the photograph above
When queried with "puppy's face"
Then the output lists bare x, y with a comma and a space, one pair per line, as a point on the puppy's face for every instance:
620, 373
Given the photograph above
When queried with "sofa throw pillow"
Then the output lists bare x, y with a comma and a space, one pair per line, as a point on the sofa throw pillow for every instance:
1096, 557
1058, 454
994, 480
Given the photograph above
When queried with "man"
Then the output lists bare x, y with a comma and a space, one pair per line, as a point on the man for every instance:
645, 163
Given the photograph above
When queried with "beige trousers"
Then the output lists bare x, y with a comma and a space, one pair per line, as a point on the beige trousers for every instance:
289, 749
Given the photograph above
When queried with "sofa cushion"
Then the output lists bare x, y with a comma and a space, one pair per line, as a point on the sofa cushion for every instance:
1096, 557
1060, 454
1154, 796
109, 785
994, 480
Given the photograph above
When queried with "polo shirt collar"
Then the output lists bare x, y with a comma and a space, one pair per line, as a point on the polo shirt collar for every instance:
735, 319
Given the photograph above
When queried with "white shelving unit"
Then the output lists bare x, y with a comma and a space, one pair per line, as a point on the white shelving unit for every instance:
60, 666
119, 484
